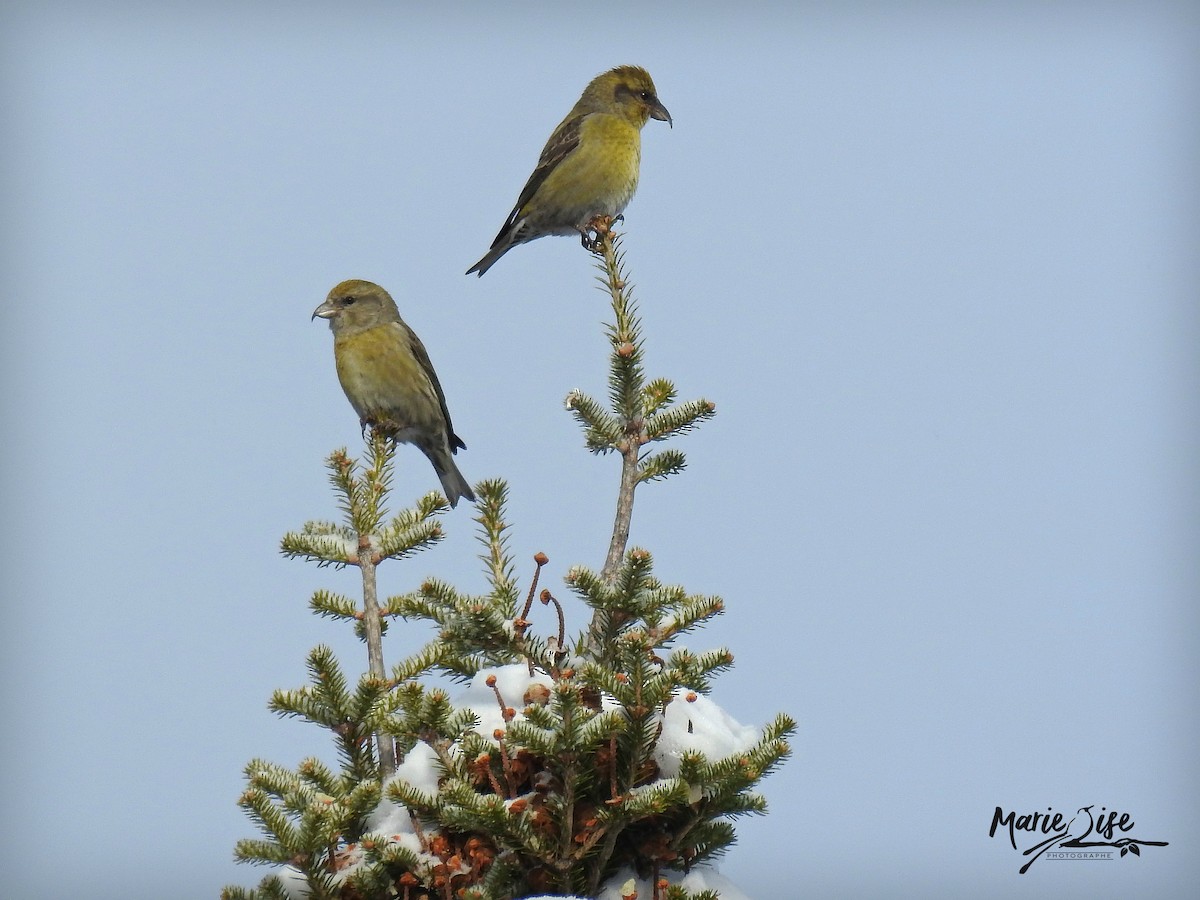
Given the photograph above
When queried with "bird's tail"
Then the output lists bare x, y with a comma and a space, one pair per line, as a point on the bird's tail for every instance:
489, 258
453, 483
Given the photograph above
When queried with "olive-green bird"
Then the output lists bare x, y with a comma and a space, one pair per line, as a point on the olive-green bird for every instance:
589, 167
388, 378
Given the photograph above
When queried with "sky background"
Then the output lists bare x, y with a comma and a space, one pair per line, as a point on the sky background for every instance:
936, 264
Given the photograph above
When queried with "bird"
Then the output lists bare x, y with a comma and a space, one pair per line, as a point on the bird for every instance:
387, 377
589, 167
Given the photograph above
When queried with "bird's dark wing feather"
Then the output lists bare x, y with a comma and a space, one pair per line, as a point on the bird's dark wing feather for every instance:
422, 357
561, 143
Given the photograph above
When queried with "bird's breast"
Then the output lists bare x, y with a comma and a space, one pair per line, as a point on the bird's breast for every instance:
599, 176
383, 379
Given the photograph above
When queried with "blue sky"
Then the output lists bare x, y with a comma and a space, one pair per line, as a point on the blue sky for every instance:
935, 264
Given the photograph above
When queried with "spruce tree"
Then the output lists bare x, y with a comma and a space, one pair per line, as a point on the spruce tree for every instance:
570, 764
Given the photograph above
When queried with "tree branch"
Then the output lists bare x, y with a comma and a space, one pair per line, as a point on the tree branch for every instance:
373, 625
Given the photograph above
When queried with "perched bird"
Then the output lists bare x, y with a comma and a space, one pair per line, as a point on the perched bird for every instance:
589, 167
388, 378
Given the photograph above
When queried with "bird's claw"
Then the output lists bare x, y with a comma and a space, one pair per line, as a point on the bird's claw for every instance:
385, 430
592, 234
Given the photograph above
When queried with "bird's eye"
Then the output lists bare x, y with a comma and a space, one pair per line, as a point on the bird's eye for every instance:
647, 96
349, 301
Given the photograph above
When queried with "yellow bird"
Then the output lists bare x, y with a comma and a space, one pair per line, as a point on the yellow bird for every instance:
589, 167
388, 378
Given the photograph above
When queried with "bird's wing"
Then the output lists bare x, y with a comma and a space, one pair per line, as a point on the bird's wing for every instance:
422, 356
564, 140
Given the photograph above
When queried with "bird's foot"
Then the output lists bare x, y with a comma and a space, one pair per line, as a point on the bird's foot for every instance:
384, 430
589, 240
596, 230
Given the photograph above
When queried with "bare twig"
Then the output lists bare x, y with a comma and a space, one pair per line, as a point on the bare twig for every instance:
539, 559
546, 598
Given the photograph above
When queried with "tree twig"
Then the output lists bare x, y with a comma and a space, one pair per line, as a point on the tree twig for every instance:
624, 339
372, 624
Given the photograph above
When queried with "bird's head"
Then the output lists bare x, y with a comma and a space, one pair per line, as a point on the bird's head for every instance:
357, 305
629, 90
